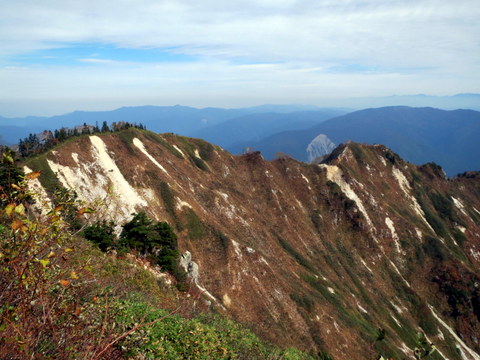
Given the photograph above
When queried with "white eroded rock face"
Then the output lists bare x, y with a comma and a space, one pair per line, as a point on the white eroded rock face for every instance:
319, 146
42, 201
141, 147
405, 186
99, 180
335, 174
395, 238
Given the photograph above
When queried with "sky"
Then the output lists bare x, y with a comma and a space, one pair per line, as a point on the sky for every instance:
63, 55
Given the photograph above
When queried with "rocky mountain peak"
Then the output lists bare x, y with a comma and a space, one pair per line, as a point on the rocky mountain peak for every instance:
319, 146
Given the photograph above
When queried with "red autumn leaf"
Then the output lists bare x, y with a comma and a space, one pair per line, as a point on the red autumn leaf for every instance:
64, 283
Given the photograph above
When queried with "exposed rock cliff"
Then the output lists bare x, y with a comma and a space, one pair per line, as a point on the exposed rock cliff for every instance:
317, 256
319, 146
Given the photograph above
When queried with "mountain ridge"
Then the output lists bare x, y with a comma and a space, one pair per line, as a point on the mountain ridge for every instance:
419, 135
317, 256
180, 119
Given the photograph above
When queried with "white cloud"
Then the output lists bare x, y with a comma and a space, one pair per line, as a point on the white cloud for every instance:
388, 46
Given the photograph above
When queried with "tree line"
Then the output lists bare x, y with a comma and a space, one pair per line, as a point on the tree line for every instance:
35, 144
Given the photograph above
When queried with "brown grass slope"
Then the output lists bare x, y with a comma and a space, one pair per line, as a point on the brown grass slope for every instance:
316, 256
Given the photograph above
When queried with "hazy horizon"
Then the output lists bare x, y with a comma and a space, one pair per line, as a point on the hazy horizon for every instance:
453, 102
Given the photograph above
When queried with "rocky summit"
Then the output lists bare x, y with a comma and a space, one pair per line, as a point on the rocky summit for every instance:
351, 257
319, 146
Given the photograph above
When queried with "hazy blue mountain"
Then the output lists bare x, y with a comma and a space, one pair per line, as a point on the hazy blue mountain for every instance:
183, 120
257, 126
23, 121
178, 119
420, 135
284, 108
10, 134
458, 101
13, 129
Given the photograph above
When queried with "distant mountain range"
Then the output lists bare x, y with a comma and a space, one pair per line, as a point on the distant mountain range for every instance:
453, 102
420, 135
178, 119
257, 126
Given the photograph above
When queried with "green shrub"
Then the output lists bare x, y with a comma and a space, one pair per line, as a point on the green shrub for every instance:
10, 173
158, 240
392, 157
68, 204
190, 149
199, 163
224, 240
102, 234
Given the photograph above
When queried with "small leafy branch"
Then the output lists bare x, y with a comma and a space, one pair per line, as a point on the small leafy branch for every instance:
50, 306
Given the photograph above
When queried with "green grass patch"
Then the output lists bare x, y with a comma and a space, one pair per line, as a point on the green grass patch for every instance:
304, 301
127, 136
168, 198
196, 229
48, 179
446, 208
358, 152
199, 163
203, 337
474, 215
459, 236
296, 255
190, 149
205, 149
157, 138
435, 222
319, 286
222, 238
420, 310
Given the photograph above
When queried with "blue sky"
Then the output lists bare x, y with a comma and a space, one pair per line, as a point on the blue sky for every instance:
58, 56
78, 54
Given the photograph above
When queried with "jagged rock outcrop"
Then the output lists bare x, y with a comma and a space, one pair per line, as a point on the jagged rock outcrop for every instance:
318, 147
315, 256
190, 267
